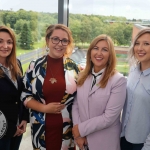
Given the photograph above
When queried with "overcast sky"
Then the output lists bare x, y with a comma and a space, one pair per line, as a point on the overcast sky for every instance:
137, 9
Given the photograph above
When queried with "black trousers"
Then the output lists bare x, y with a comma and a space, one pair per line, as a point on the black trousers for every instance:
125, 145
10, 143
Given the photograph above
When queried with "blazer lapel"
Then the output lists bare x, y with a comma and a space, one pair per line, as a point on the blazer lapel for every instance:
9, 79
19, 82
86, 90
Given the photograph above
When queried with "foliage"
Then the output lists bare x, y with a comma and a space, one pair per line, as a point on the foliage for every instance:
84, 27
26, 37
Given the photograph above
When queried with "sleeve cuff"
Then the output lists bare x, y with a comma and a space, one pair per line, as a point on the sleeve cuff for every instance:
27, 100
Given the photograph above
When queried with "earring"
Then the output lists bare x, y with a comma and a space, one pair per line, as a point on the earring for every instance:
47, 48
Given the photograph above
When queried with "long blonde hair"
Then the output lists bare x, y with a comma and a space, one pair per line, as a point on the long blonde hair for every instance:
111, 64
11, 60
50, 30
131, 57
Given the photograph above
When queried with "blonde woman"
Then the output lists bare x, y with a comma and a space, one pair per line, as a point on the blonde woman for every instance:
136, 113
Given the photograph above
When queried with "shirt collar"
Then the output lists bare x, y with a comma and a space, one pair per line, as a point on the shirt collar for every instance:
97, 72
4, 67
145, 72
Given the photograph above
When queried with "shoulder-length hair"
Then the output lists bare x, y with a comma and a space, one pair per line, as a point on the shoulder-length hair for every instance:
131, 57
11, 60
50, 30
111, 64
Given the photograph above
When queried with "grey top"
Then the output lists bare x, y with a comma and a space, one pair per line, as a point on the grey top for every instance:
136, 112
8, 73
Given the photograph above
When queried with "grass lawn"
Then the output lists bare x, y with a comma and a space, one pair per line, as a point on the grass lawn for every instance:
123, 67
36, 45
25, 66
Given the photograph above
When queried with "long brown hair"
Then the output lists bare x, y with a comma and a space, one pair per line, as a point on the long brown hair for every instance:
111, 64
11, 59
50, 31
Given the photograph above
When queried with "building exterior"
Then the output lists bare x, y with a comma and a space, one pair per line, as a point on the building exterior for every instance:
137, 28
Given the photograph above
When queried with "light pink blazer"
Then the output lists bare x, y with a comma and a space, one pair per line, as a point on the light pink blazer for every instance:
97, 112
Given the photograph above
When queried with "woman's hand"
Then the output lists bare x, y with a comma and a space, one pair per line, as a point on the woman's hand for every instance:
75, 131
54, 108
23, 126
81, 142
18, 132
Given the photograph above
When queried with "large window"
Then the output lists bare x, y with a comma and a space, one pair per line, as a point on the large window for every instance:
120, 19
117, 18
29, 19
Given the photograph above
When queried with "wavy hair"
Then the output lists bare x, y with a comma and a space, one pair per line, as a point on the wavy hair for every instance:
11, 60
50, 30
111, 64
131, 57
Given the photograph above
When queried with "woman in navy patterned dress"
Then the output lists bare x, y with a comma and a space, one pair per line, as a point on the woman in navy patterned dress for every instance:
50, 87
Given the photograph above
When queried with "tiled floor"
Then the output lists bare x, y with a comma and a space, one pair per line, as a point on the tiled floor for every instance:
26, 141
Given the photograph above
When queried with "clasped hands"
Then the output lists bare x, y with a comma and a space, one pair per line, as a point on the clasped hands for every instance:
54, 108
80, 141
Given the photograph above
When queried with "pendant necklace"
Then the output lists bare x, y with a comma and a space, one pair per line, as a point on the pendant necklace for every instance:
52, 80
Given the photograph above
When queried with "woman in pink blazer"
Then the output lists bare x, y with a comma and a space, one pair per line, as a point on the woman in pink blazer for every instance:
100, 98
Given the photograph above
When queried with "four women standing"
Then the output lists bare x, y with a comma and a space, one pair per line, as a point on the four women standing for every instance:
50, 87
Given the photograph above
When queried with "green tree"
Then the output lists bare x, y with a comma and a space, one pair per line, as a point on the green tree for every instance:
75, 26
10, 18
85, 30
26, 41
128, 33
19, 25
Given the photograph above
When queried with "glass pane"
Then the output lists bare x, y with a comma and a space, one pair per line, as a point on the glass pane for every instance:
29, 19
117, 18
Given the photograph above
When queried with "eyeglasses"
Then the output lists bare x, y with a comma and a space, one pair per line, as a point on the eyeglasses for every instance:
56, 40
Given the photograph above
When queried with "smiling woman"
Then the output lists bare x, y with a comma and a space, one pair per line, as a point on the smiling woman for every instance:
101, 93
10, 90
56, 74
100, 55
6, 45
58, 42
136, 112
